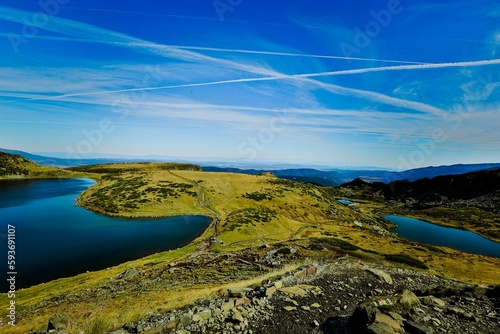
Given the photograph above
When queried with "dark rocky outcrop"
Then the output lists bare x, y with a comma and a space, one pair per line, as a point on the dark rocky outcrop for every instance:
477, 189
338, 297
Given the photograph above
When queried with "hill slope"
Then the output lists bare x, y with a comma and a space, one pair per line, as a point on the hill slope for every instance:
13, 166
263, 227
476, 189
329, 178
470, 200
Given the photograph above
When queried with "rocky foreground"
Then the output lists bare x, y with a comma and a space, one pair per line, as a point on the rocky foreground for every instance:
345, 296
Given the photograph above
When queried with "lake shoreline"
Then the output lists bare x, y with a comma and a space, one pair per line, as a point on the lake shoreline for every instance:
414, 229
439, 222
77, 240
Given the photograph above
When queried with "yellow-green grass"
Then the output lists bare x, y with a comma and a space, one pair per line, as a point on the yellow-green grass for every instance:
249, 211
480, 221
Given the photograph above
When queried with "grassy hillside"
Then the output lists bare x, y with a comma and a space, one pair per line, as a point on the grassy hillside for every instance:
253, 216
469, 201
14, 166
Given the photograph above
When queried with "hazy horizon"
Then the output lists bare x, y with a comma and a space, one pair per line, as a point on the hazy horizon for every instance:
393, 84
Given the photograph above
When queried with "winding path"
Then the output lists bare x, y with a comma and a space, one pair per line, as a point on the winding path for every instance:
202, 202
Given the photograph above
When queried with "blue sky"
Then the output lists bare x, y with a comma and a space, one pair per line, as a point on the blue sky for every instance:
398, 84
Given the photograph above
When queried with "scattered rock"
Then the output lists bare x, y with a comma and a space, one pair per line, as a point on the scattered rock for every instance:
408, 299
324, 303
301, 274
311, 271
293, 291
237, 317
238, 292
380, 328
433, 301
385, 319
227, 305
205, 314
270, 291
130, 272
59, 322
381, 274
412, 327
242, 301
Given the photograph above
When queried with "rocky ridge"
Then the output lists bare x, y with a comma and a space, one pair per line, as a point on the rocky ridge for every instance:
345, 296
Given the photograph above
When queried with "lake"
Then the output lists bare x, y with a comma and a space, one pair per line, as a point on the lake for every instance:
55, 238
345, 201
466, 241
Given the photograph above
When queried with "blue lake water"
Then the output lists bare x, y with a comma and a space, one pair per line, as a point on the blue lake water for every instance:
55, 238
345, 201
421, 231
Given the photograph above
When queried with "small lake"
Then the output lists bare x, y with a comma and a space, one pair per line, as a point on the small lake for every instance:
421, 231
55, 238
346, 201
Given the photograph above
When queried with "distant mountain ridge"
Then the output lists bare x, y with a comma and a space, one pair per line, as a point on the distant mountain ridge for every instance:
338, 176
59, 162
480, 189
330, 177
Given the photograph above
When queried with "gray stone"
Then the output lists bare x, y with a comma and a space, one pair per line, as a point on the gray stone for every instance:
433, 301
203, 315
381, 274
293, 291
385, 319
238, 292
237, 317
461, 313
413, 327
130, 272
227, 306
397, 317
380, 328
184, 321
270, 291
182, 331
408, 299
59, 322
118, 331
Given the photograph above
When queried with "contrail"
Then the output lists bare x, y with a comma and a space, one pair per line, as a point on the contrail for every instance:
86, 31
405, 67
211, 49
288, 54
330, 87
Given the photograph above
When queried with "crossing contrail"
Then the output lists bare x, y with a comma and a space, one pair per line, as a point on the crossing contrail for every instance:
90, 32
330, 87
225, 50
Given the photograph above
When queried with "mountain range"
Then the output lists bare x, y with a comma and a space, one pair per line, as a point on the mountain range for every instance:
480, 189
325, 177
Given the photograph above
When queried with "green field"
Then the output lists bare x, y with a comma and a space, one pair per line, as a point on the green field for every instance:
250, 213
